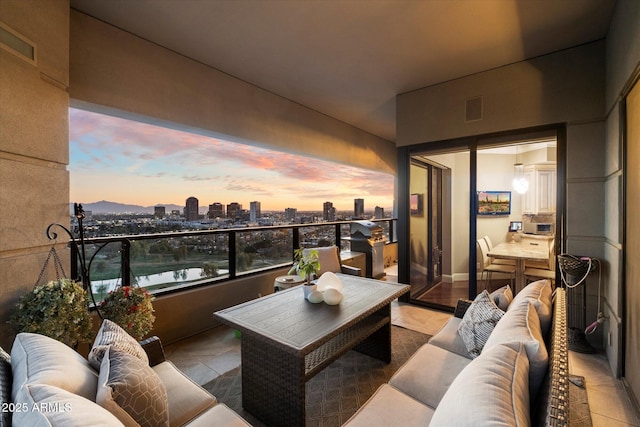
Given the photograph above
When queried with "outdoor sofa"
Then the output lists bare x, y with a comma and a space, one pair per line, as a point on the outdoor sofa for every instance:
46, 383
516, 373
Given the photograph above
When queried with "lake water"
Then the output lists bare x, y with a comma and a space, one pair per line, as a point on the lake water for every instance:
174, 277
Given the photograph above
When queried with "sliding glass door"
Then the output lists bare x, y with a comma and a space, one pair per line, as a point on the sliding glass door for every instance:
441, 182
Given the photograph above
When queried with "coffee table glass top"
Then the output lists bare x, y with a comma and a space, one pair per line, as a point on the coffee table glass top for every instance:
288, 319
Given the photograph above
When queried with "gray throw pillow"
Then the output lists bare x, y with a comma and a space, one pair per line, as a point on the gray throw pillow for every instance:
502, 297
131, 390
478, 322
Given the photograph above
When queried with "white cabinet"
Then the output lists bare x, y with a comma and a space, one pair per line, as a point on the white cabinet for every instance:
541, 196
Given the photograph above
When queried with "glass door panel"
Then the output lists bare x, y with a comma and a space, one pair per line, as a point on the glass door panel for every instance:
440, 231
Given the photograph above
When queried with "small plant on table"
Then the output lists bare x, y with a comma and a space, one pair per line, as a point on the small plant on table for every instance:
306, 264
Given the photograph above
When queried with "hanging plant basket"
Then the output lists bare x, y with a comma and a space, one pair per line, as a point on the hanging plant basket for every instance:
130, 307
58, 309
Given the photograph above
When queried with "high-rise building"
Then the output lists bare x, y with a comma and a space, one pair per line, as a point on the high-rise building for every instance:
328, 211
254, 211
216, 210
358, 208
379, 212
290, 214
233, 210
159, 211
191, 209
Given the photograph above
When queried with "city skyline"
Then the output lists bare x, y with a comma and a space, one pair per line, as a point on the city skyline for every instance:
132, 162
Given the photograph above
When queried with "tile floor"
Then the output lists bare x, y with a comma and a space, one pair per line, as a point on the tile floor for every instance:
217, 351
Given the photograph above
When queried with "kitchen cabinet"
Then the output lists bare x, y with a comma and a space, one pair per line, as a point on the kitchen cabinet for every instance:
541, 196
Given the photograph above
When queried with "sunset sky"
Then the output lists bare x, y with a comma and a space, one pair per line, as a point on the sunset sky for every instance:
136, 163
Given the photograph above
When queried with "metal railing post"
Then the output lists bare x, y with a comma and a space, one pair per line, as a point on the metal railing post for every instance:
125, 262
232, 255
296, 238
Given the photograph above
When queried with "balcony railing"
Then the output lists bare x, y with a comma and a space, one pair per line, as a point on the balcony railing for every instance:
169, 262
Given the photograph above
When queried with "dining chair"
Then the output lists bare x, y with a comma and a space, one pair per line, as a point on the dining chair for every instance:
498, 260
488, 267
547, 271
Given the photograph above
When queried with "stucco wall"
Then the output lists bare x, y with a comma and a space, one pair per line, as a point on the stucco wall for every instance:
34, 147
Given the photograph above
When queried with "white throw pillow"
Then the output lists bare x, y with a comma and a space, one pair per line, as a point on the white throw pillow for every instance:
521, 324
493, 390
110, 334
478, 322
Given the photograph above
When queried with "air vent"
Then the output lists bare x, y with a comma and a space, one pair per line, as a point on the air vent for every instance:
17, 44
473, 110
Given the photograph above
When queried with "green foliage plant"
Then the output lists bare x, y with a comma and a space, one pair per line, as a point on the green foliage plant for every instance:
131, 308
305, 264
58, 309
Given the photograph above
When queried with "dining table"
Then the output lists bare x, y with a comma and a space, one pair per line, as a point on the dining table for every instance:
520, 251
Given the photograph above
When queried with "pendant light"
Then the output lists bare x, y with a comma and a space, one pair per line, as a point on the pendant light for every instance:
519, 183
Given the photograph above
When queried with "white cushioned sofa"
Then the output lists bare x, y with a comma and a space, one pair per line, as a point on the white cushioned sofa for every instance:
50, 384
485, 366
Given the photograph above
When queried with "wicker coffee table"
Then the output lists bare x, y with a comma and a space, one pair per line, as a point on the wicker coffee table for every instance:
286, 340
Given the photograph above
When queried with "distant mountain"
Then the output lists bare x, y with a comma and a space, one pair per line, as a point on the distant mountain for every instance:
121, 208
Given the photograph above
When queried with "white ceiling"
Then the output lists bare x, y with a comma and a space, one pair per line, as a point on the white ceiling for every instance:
349, 58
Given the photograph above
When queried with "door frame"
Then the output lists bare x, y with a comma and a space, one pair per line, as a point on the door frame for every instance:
472, 144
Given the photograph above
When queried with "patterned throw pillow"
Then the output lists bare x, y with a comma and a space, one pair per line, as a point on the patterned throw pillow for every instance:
502, 297
110, 334
131, 390
478, 322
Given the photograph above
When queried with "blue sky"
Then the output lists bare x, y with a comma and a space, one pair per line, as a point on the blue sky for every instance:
136, 163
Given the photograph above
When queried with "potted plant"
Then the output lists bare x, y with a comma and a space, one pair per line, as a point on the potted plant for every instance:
306, 265
58, 309
130, 307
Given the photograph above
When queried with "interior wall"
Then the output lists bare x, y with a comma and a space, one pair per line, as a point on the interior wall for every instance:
495, 173
34, 148
119, 72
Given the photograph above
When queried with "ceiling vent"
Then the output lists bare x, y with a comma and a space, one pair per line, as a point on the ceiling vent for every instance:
473, 109
17, 44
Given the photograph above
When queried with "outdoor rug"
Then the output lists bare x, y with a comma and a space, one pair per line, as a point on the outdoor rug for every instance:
336, 393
